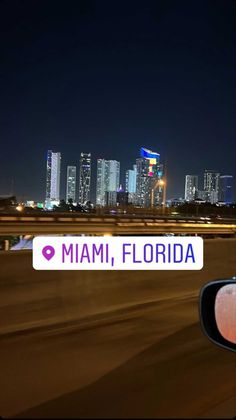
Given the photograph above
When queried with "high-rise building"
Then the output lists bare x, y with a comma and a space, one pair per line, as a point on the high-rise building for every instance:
130, 184
122, 198
149, 189
110, 198
84, 177
108, 179
211, 185
225, 189
191, 187
201, 195
71, 183
101, 182
142, 183
113, 172
53, 178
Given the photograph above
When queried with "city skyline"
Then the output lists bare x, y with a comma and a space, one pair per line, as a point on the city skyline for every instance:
118, 78
123, 181
145, 184
36, 197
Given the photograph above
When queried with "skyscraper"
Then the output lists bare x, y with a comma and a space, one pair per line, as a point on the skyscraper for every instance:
71, 183
53, 178
225, 189
149, 173
191, 187
101, 182
130, 183
108, 179
84, 177
113, 172
211, 185
143, 183
122, 197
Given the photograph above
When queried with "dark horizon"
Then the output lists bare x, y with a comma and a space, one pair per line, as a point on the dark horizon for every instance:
110, 77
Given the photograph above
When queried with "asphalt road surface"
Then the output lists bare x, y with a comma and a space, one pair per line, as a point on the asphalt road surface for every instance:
146, 359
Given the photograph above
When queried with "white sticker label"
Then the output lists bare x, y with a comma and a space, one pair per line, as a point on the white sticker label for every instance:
117, 253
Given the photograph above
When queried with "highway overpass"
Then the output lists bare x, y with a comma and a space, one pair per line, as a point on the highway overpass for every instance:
114, 225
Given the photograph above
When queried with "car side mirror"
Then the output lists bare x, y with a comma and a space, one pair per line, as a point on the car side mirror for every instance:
218, 312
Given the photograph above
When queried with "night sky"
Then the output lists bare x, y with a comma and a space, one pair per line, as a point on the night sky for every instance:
108, 77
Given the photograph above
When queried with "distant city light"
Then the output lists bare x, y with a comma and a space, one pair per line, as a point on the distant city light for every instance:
19, 208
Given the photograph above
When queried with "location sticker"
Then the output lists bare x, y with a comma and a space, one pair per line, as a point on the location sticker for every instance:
48, 252
117, 253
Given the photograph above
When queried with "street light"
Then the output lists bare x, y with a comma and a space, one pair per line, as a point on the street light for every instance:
19, 207
159, 183
163, 184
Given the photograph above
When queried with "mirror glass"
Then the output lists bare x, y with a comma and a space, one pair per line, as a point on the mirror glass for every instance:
225, 312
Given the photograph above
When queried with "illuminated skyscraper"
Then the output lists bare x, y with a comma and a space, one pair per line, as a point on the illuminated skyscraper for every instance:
84, 177
71, 183
101, 182
143, 183
113, 175
225, 189
211, 185
191, 187
130, 184
108, 179
149, 173
53, 178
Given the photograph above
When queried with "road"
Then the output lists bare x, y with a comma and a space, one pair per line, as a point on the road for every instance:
145, 356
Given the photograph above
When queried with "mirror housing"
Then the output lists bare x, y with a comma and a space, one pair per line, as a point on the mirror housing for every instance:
210, 319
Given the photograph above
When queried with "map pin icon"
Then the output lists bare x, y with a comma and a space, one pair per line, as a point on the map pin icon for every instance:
48, 252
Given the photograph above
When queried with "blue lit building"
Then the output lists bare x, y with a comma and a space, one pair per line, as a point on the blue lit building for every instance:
226, 189
130, 184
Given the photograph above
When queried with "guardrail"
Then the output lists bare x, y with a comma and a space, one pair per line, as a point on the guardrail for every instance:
119, 225
70, 217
